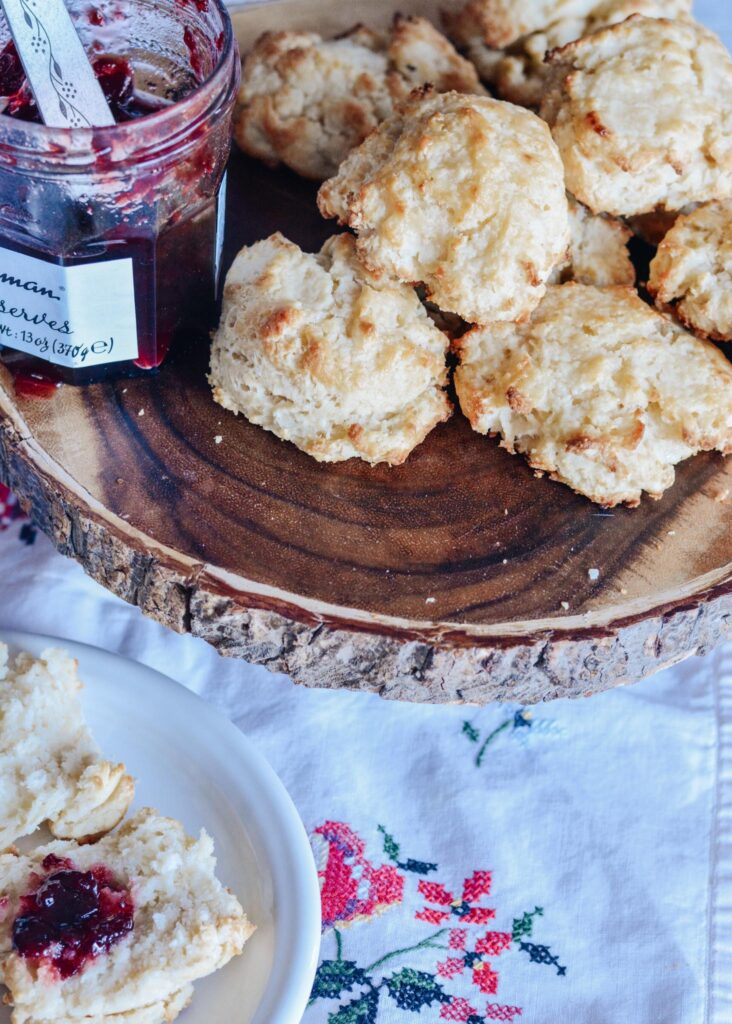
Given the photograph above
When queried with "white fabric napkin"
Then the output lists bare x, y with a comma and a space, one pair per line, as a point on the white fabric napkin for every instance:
568, 862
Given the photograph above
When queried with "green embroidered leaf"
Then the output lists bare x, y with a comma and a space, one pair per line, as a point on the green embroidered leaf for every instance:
472, 734
412, 990
360, 1011
391, 847
418, 867
525, 925
334, 977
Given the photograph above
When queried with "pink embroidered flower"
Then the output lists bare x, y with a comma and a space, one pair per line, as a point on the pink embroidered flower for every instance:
351, 888
475, 887
451, 967
458, 1009
494, 1011
461, 1010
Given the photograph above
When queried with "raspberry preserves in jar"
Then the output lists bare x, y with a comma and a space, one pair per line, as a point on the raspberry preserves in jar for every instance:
110, 237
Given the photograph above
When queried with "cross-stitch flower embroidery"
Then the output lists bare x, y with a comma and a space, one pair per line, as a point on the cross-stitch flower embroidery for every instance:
465, 908
485, 977
9, 507
489, 945
351, 888
461, 1010
403, 979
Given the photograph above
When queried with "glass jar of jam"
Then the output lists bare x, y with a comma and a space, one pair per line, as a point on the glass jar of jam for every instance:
110, 238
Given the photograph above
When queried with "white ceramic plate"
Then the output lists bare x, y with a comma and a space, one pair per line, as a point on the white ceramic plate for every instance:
191, 763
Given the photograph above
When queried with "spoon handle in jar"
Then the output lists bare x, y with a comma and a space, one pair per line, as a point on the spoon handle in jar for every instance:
58, 70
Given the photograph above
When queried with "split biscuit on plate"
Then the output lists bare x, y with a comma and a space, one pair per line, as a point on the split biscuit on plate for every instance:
642, 115
306, 101
599, 391
50, 767
117, 932
598, 250
325, 355
692, 270
464, 194
519, 72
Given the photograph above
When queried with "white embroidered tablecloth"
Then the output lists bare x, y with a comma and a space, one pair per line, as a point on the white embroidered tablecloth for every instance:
569, 862
566, 863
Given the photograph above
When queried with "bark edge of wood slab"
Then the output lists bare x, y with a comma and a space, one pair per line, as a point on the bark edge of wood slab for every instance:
188, 596
451, 598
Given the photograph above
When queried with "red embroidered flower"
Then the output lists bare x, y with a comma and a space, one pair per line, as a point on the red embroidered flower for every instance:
493, 943
351, 888
475, 887
485, 978
9, 507
354, 889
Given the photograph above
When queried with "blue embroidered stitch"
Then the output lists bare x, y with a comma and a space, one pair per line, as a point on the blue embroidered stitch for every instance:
541, 955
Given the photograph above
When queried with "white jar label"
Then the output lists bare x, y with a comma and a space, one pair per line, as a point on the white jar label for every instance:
71, 316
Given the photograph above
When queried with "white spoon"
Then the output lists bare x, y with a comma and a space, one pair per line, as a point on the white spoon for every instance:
55, 62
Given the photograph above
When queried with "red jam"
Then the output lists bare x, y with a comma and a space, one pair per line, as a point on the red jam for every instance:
201, 5
115, 75
192, 46
12, 75
71, 917
35, 385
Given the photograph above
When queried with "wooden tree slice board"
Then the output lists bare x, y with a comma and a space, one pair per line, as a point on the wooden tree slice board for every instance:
458, 576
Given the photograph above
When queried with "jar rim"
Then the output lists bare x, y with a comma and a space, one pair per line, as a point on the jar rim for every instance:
52, 147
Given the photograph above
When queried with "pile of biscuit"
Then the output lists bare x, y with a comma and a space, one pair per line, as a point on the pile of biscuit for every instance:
104, 923
491, 182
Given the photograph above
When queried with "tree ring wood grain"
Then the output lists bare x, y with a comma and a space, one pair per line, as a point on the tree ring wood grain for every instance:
456, 577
